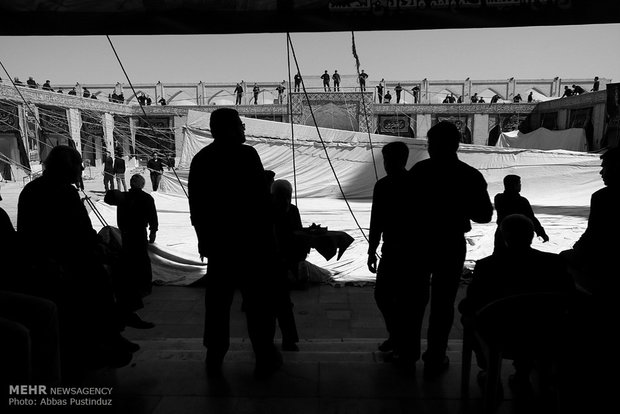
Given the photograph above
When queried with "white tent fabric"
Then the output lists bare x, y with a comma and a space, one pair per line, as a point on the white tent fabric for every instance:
573, 139
557, 183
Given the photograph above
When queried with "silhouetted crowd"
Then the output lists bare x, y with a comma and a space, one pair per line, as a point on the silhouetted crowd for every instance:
77, 293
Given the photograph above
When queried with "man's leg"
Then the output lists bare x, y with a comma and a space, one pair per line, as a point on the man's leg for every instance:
385, 291
219, 294
447, 269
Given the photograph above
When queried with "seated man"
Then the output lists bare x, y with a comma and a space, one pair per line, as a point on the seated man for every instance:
517, 270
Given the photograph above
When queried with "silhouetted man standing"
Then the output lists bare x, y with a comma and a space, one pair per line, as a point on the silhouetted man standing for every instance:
512, 202
449, 193
136, 211
156, 168
230, 211
387, 219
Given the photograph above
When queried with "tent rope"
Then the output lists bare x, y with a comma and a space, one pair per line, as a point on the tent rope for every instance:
290, 117
357, 68
143, 111
303, 85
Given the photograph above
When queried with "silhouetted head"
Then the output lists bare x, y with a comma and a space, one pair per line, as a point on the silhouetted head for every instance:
282, 191
512, 183
395, 156
517, 231
226, 126
136, 182
63, 164
610, 163
573, 86
596, 78
443, 140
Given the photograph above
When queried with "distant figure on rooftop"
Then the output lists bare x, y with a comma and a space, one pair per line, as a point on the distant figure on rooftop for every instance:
238, 94
362, 79
32, 83
387, 98
86, 93
481, 100
578, 90
255, 91
222, 211
595, 85
281, 88
567, 92
380, 91
387, 220
530, 97
336, 79
449, 195
416, 94
47, 86
149, 101
512, 202
495, 98
325, 77
474, 98
142, 99
398, 89
517, 98
72, 92
446, 99
297, 82
162, 101
17, 82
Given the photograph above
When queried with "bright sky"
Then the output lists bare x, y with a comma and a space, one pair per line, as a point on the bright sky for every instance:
523, 52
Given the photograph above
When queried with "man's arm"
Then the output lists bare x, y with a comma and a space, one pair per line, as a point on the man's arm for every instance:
538, 228
481, 209
376, 227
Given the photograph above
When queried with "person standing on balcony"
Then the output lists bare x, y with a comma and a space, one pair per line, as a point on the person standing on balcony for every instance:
336, 78
398, 89
280, 90
380, 88
238, 94
362, 78
297, 82
325, 78
255, 91
416, 94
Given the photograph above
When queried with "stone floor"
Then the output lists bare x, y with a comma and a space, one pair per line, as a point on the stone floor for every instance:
338, 368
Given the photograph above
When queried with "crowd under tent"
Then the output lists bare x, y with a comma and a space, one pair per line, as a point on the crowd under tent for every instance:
558, 183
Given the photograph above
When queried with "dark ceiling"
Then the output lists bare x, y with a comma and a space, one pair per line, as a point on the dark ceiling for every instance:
58, 17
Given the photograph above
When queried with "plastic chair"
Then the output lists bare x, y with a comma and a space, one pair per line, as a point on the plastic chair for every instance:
528, 325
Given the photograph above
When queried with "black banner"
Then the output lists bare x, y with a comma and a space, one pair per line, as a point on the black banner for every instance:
263, 16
